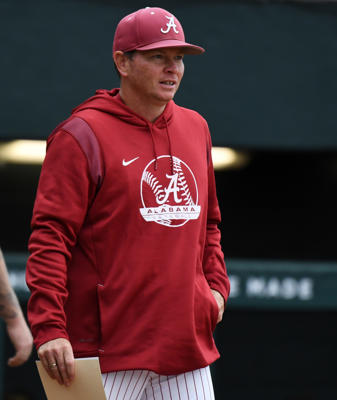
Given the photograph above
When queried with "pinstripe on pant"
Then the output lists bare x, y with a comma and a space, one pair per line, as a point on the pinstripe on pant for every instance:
147, 385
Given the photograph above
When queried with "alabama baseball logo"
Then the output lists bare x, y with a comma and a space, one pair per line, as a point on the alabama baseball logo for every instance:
169, 198
169, 25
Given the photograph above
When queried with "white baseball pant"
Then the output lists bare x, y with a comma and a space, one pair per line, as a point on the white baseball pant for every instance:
147, 385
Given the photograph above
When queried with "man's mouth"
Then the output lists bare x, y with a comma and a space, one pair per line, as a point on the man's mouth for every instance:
168, 83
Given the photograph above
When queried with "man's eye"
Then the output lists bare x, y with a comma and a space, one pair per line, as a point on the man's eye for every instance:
179, 57
157, 56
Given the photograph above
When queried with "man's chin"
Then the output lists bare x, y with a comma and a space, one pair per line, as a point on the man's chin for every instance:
166, 98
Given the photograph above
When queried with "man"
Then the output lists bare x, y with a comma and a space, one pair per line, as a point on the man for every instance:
125, 258
16, 325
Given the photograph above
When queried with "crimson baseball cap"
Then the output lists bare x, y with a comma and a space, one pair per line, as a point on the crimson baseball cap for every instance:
151, 28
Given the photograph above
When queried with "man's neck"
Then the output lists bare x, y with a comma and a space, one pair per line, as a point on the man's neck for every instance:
148, 111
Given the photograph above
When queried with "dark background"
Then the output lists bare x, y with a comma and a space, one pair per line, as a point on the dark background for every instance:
267, 86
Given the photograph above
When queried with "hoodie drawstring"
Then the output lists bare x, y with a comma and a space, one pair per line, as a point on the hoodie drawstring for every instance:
170, 146
154, 147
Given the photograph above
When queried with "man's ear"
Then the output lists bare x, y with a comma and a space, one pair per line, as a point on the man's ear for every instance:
121, 62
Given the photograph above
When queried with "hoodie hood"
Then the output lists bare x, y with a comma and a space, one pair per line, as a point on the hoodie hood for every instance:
109, 101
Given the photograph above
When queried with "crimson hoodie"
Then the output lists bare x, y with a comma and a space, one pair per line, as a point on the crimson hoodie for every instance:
123, 267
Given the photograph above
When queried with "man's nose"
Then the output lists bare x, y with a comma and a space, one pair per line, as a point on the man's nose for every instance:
171, 65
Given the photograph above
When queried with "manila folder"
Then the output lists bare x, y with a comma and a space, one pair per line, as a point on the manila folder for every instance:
87, 384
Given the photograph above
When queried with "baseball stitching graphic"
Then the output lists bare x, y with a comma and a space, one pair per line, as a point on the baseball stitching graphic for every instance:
169, 198
154, 185
182, 181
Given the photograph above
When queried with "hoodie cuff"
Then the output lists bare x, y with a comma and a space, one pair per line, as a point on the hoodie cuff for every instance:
48, 333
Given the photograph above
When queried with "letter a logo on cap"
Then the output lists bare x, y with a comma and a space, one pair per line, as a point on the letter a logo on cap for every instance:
170, 24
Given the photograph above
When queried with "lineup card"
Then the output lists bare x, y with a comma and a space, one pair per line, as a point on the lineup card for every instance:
86, 386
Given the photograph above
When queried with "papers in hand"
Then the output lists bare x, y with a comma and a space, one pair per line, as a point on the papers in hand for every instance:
87, 384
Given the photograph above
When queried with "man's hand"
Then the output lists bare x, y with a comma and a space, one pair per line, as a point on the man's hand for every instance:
16, 325
58, 359
221, 303
21, 338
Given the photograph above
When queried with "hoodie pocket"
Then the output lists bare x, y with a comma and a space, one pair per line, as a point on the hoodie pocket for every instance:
207, 309
214, 310
100, 289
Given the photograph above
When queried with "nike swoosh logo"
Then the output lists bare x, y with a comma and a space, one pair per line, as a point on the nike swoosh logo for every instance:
126, 163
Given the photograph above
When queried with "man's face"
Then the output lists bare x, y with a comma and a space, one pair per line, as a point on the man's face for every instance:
155, 75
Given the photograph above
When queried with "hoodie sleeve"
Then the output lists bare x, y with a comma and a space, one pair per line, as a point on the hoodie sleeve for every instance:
64, 191
213, 261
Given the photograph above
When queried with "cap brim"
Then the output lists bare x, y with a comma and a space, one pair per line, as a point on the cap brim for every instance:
187, 47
